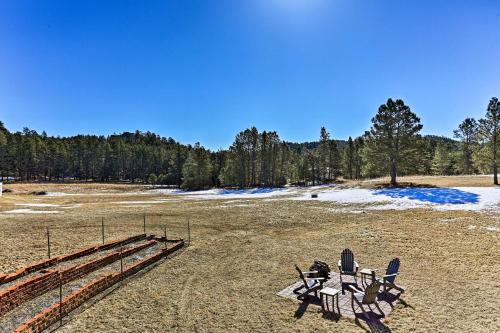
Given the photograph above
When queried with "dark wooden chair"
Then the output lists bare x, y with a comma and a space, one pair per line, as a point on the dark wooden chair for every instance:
367, 297
347, 265
310, 285
388, 280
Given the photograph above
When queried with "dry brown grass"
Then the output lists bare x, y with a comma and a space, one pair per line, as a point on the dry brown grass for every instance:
440, 181
242, 255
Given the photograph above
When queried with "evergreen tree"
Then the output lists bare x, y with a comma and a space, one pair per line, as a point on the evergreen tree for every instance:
392, 136
489, 132
467, 133
358, 161
196, 173
443, 161
349, 159
324, 156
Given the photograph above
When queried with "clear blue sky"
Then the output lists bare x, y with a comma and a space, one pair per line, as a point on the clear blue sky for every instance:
204, 70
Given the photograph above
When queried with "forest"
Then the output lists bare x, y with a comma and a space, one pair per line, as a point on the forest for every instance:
392, 146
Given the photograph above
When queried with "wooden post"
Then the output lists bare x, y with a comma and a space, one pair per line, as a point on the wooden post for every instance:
48, 242
189, 232
144, 219
60, 300
102, 228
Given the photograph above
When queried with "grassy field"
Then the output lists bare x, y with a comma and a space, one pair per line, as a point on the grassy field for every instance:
244, 251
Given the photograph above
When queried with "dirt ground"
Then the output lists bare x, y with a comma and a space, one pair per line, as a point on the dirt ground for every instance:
243, 252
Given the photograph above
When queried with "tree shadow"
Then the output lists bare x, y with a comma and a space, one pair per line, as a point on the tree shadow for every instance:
403, 185
432, 195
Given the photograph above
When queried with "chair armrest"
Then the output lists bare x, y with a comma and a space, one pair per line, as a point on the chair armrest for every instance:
311, 272
389, 275
353, 288
318, 278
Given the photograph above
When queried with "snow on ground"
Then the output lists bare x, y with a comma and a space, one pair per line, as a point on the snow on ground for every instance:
235, 194
237, 205
49, 205
457, 198
138, 202
353, 199
31, 211
64, 194
37, 205
492, 228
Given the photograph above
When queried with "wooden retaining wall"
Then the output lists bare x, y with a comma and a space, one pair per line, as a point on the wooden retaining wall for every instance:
52, 314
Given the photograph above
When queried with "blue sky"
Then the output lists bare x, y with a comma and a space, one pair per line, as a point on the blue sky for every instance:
204, 70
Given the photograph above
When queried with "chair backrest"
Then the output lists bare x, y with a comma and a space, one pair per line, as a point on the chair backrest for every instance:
393, 268
301, 275
347, 261
371, 293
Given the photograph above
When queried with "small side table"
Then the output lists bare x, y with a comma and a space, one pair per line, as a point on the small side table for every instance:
365, 273
334, 293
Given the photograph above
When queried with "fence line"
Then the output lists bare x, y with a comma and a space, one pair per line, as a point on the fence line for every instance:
175, 227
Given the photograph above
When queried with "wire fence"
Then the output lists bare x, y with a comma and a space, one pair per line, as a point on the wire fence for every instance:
53, 237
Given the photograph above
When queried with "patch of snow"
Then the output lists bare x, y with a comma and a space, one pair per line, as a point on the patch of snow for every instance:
346, 210
57, 194
492, 228
443, 199
237, 205
137, 202
64, 194
471, 227
31, 211
38, 205
237, 194
164, 191
69, 206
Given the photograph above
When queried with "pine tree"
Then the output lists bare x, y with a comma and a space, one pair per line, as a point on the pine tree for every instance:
443, 161
393, 133
196, 173
467, 133
358, 161
348, 159
489, 133
323, 154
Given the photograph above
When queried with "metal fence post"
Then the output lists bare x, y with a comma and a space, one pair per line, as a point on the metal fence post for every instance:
121, 263
48, 242
189, 232
102, 228
60, 300
165, 237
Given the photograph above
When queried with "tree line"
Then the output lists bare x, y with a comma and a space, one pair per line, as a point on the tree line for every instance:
392, 146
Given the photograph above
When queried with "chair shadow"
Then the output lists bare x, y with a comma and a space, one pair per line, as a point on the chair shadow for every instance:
332, 316
346, 287
373, 322
405, 304
305, 304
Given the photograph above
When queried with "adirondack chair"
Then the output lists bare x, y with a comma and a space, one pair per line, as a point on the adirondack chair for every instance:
347, 265
391, 273
367, 297
310, 285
